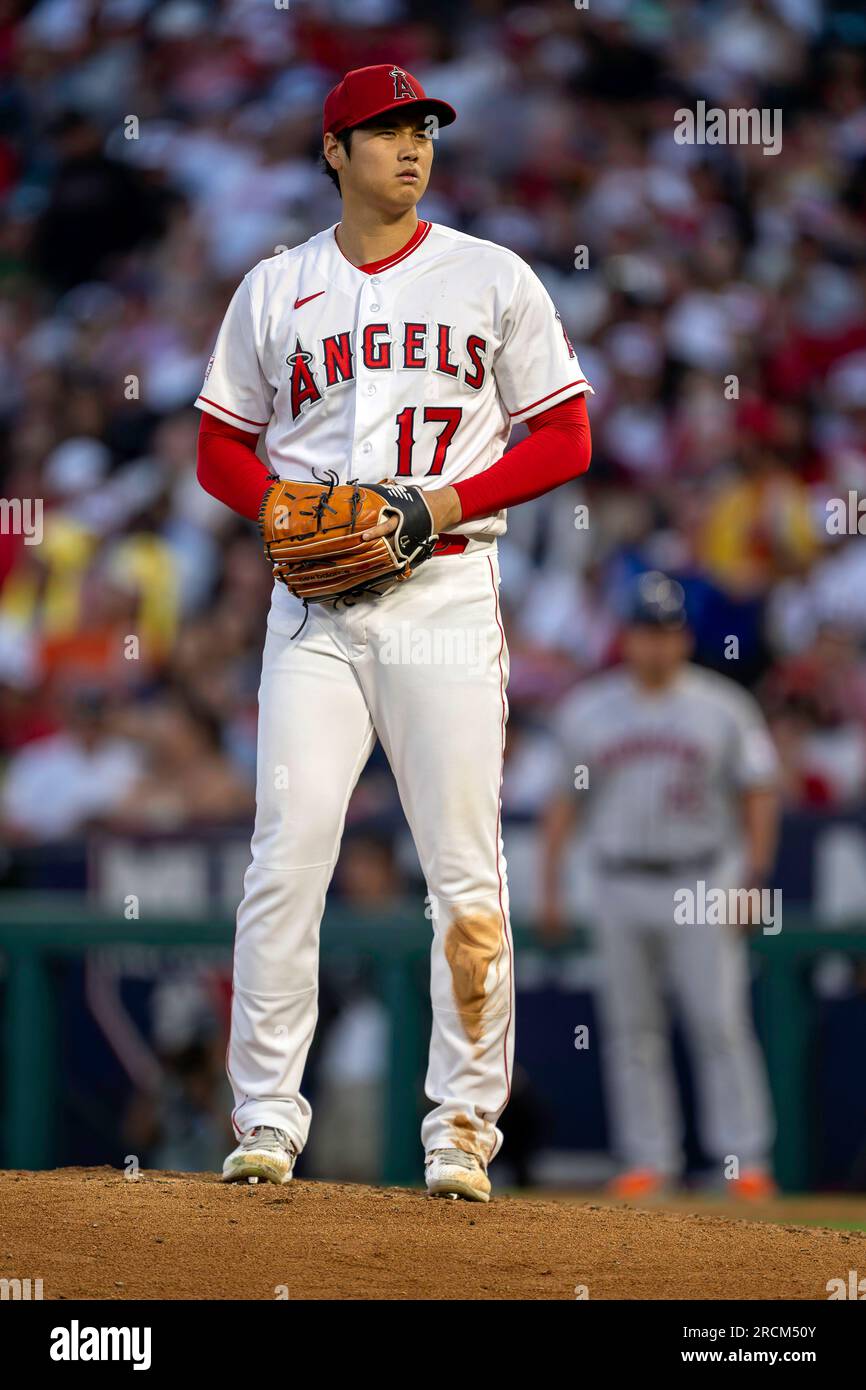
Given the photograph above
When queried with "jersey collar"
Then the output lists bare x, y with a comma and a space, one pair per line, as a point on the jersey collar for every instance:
421, 232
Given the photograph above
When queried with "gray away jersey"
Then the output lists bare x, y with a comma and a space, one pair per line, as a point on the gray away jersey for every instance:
663, 771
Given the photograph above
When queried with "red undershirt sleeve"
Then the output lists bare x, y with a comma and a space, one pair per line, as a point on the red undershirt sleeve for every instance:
559, 447
229, 468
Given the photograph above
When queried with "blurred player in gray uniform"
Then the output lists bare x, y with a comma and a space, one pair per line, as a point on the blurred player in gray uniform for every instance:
679, 788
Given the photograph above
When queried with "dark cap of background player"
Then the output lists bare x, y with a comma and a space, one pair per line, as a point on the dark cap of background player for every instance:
657, 601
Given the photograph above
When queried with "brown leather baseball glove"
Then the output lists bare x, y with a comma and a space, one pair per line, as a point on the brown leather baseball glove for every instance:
312, 536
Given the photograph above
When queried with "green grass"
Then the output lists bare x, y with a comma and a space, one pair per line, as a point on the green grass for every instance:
837, 1225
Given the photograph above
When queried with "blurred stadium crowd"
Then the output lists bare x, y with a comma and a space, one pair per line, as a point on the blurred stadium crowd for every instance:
150, 153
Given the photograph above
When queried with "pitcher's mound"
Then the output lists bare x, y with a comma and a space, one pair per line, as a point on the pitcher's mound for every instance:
93, 1233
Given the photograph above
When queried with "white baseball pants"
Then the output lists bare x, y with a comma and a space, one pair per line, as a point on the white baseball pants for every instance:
648, 959
425, 668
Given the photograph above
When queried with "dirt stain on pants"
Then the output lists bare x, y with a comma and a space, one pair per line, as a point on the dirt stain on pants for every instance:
472, 943
465, 1136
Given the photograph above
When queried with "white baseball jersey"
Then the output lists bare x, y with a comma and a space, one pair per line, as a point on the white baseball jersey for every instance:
416, 370
664, 769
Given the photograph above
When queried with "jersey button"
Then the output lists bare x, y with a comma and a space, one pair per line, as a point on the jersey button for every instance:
367, 448
375, 280
375, 308
371, 390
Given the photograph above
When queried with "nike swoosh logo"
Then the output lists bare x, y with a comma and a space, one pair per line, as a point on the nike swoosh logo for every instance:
299, 302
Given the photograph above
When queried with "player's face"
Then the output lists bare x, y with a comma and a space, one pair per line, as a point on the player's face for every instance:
655, 653
390, 166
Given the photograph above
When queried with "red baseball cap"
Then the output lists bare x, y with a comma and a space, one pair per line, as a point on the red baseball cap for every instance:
367, 92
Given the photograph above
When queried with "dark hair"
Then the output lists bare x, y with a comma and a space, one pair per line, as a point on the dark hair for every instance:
345, 139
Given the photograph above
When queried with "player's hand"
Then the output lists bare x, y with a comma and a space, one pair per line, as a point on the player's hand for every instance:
444, 507
750, 918
551, 925
383, 529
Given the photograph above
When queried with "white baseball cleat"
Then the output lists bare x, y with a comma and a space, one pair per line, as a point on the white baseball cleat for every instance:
453, 1173
262, 1153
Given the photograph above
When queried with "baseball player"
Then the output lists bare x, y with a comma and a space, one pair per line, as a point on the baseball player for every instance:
674, 772
386, 349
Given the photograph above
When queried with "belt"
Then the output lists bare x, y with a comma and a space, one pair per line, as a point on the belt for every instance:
450, 545
669, 868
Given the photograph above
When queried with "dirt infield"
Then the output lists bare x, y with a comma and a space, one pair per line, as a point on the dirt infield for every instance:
92, 1233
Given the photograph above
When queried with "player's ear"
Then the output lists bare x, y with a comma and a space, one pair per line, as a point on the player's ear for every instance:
331, 149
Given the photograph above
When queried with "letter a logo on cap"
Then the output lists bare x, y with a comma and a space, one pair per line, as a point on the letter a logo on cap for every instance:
402, 86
